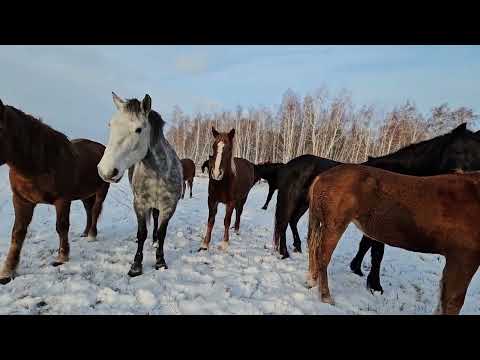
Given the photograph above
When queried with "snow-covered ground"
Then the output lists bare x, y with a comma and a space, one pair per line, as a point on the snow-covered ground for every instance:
247, 279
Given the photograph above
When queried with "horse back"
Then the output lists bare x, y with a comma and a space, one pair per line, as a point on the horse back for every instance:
245, 177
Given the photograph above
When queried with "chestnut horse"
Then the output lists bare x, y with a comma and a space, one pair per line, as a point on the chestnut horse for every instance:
47, 168
188, 174
436, 215
230, 182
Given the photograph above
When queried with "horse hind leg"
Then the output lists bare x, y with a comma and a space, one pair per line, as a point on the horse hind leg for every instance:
88, 204
155, 215
456, 277
356, 264
23, 217
297, 244
162, 232
190, 184
238, 213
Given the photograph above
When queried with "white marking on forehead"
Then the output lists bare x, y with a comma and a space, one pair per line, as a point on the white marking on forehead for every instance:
218, 159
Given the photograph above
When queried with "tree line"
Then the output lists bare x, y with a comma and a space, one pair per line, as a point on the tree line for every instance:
321, 124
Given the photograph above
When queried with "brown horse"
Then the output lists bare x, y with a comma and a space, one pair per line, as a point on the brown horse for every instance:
437, 214
230, 182
47, 168
188, 174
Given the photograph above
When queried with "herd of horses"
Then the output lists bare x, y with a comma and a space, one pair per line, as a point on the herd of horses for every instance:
424, 197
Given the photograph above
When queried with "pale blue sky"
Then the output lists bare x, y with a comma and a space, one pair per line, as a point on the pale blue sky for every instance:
70, 86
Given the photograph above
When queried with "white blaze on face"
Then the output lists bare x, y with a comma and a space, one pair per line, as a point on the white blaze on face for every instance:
216, 168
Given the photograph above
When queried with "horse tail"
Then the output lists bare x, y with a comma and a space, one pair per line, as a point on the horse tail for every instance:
314, 237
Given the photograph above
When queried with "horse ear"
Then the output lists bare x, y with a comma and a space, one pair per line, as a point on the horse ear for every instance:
147, 104
118, 101
214, 132
460, 128
231, 134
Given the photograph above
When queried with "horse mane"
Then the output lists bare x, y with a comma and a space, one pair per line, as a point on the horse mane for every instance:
156, 124
36, 148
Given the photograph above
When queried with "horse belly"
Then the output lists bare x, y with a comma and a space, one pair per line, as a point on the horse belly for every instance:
396, 226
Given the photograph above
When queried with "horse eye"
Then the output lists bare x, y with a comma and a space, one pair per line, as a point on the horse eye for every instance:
138, 130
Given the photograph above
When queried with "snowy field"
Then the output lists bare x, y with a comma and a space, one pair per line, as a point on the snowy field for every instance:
247, 279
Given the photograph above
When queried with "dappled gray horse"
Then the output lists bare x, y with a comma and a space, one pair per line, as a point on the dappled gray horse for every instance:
137, 143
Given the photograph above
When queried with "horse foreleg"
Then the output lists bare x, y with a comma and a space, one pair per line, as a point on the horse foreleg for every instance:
457, 274
62, 208
88, 204
373, 278
23, 217
190, 183
356, 264
283, 212
97, 210
162, 232
212, 211
136, 268
226, 222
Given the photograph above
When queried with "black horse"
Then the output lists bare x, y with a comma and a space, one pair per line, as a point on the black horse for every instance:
456, 150
269, 171
206, 164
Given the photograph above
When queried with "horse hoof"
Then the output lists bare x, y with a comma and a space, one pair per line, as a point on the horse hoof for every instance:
5, 280
135, 272
57, 263
327, 300
356, 269
374, 286
202, 249
83, 235
297, 250
264, 208
161, 266
223, 246
285, 256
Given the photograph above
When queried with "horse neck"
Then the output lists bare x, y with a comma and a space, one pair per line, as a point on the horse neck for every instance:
22, 162
267, 171
160, 156
419, 160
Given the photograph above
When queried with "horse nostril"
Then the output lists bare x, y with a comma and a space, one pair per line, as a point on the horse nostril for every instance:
114, 172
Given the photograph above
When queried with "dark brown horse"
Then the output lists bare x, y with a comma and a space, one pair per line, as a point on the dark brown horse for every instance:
437, 215
188, 174
230, 182
47, 168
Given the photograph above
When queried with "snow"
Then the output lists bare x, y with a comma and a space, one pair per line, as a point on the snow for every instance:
247, 279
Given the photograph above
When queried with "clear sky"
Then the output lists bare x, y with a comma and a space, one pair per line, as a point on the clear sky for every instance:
70, 86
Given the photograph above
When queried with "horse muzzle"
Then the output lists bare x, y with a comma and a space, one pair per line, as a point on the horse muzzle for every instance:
113, 177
